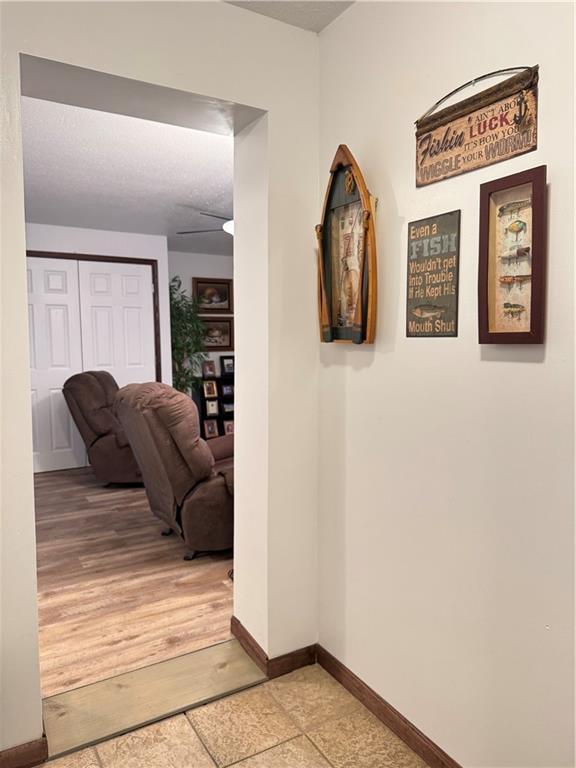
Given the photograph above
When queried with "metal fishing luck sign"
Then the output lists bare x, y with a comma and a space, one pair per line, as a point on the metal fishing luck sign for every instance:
489, 127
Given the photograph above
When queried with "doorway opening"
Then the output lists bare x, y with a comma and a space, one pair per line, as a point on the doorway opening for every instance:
118, 206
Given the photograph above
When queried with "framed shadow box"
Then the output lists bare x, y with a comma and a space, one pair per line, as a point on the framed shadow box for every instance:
512, 266
347, 256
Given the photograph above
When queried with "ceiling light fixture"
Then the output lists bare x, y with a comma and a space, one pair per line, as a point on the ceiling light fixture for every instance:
228, 227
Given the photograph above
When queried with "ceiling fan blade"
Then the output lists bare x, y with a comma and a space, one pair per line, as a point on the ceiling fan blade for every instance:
204, 213
215, 216
198, 231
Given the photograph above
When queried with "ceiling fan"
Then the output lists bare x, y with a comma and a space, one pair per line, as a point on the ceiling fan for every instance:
227, 226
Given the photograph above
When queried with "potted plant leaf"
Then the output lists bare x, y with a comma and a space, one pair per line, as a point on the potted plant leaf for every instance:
188, 334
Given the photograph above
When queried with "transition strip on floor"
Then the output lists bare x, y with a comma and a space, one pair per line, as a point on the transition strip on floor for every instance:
111, 707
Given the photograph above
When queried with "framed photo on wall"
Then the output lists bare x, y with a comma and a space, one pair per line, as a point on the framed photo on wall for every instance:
228, 427
210, 389
210, 428
213, 294
208, 369
512, 264
219, 334
212, 407
226, 365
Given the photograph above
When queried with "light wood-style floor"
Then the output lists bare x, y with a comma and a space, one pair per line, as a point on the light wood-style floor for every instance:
114, 595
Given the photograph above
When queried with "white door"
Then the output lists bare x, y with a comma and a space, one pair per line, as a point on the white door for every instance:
55, 354
117, 311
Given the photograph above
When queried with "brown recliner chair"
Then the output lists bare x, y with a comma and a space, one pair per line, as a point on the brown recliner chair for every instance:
189, 482
90, 397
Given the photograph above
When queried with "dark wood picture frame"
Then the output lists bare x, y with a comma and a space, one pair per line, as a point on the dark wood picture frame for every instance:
527, 254
200, 284
211, 321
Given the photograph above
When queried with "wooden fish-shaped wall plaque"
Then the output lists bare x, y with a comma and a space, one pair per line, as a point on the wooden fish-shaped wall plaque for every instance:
347, 256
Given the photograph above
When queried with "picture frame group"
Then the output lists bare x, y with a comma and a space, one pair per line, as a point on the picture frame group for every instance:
217, 397
212, 430
215, 296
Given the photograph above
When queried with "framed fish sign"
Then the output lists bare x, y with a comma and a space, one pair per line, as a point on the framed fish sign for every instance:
432, 286
347, 256
488, 127
512, 265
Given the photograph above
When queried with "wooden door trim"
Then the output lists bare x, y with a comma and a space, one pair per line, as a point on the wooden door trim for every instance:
153, 263
25, 755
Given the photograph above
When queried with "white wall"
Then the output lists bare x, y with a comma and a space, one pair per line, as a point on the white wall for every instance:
446, 526
191, 265
226, 53
99, 242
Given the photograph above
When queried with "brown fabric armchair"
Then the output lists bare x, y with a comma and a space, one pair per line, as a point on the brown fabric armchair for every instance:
187, 487
90, 396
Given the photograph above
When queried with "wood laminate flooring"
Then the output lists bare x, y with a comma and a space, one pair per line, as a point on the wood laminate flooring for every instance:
94, 712
114, 595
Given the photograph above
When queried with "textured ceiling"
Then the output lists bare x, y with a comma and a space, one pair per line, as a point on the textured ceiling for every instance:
86, 168
307, 15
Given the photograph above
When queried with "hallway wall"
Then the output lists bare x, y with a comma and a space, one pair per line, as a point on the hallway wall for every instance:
226, 53
446, 532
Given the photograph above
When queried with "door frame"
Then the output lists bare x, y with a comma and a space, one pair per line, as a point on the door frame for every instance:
120, 260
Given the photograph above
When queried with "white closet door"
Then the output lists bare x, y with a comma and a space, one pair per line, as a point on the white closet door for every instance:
117, 310
55, 354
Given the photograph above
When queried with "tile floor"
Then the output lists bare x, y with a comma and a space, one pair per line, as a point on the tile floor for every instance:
302, 720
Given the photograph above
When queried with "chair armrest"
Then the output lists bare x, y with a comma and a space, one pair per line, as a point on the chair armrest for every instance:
222, 447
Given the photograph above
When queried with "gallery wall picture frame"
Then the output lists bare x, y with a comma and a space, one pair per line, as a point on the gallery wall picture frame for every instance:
512, 259
212, 408
219, 334
226, 365
227, 390
213, 294
208, 368
347, 256
229, 427
211, 428
210, 389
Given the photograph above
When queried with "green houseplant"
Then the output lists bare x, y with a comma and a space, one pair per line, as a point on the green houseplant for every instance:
187, 339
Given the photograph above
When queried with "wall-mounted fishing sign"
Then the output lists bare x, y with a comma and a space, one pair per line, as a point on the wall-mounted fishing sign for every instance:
489, 127
432, 290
